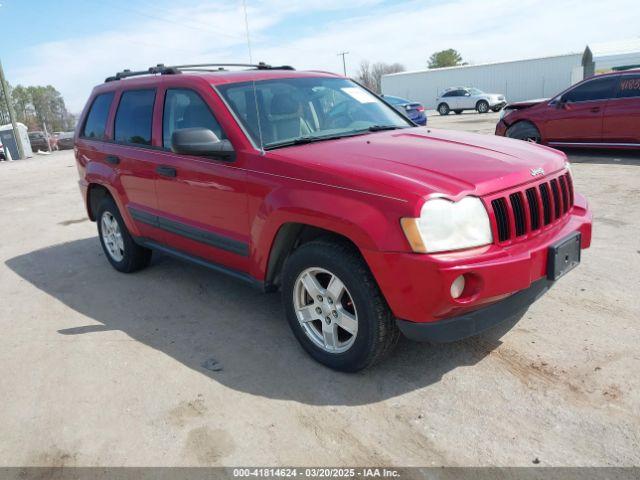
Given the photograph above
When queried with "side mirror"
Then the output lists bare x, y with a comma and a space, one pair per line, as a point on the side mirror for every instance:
201, 142
562, 102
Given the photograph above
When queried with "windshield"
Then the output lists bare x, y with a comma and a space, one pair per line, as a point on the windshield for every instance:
475, 91
294, 109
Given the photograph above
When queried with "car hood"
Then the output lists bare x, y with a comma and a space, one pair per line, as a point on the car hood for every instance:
421, 161
526, 103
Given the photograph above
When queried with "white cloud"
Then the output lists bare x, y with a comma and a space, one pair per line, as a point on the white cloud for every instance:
490, 30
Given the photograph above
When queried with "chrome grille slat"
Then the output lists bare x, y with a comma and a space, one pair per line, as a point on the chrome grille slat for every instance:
520, 212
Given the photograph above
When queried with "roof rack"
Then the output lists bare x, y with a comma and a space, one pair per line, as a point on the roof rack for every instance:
161, 69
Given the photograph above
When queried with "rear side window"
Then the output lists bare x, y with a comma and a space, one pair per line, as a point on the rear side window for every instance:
599, 89
186, 109
96, 123
133, 120
629, 86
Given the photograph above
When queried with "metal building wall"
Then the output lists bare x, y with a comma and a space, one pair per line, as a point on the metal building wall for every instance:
518, 80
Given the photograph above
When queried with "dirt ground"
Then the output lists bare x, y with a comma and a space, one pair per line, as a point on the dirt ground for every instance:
101, 368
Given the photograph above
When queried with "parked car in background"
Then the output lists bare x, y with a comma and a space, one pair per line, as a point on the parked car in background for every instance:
413, 110
40, 141
65, 140
458, 99
305, 182
601, 111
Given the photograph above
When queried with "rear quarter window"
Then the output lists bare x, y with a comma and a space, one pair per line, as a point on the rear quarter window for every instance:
629, 86
96, 122
134, 117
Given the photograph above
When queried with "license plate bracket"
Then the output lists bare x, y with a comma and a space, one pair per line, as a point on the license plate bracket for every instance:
563, 256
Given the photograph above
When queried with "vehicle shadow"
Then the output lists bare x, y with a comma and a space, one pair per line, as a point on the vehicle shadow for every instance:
604, 157
197, 316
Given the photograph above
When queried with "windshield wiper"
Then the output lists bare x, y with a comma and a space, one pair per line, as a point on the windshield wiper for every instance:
380, 128
304, 140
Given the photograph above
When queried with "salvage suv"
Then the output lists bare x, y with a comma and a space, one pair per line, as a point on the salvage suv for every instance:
307, 183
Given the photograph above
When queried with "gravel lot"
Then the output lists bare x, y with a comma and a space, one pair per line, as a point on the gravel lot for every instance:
101, 368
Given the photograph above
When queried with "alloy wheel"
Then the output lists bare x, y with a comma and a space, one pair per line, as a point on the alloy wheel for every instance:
112, 236
325, 310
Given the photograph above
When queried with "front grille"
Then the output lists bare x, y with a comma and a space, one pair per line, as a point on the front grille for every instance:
522, 212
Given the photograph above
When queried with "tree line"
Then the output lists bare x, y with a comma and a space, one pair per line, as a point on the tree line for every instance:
370, 74
37, 106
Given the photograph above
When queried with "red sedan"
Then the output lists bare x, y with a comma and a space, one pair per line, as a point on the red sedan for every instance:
601, 111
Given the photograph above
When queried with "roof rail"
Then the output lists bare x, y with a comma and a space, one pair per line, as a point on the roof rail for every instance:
161, 69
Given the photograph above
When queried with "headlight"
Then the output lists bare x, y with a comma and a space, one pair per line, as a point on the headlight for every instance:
445, 225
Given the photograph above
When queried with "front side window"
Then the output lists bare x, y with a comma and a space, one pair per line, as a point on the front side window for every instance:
629, 86
96, 123
599, 89
186, 109
134, 117
280, 112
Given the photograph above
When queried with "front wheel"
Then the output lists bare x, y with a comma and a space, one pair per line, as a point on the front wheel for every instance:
335, 308
524, 131
482, 106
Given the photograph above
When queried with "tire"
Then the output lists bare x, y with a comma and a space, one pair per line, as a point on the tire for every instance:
482, 106
443, 109
124, 254
375, 331
524, 130
457, 112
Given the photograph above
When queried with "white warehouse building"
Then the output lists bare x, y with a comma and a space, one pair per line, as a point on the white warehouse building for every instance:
517, 80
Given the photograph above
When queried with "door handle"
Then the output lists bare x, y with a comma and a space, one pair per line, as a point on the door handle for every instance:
595, 109
113, 160
166, 171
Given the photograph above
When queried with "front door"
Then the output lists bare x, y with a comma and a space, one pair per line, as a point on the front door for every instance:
202, 201
577, 115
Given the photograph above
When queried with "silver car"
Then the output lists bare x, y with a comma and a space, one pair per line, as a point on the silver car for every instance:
458, 99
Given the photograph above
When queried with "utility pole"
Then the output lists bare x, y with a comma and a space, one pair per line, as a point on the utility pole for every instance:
12, 114
344, 64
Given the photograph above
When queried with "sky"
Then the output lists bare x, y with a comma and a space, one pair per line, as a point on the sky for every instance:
74, 44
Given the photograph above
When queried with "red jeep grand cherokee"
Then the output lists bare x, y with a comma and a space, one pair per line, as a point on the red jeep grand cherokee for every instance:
601, 111
308, 183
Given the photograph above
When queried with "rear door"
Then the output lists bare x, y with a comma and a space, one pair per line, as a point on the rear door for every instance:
133, 157
622, 115
451, 99
203, 201
578, 117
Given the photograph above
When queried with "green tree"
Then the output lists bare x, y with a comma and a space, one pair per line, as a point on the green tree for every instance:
445, 58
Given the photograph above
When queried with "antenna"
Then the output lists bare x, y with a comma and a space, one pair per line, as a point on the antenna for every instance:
246, 26
255, 91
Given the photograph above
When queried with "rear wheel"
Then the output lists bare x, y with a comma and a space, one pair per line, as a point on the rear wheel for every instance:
443, 109
119, 247
524, 131
335, 308
482, 106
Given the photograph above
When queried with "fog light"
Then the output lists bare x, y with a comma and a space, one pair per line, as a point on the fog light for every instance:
457, 287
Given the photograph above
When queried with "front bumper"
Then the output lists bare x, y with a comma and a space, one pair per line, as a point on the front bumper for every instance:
509, 310
501, 128
417, 286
